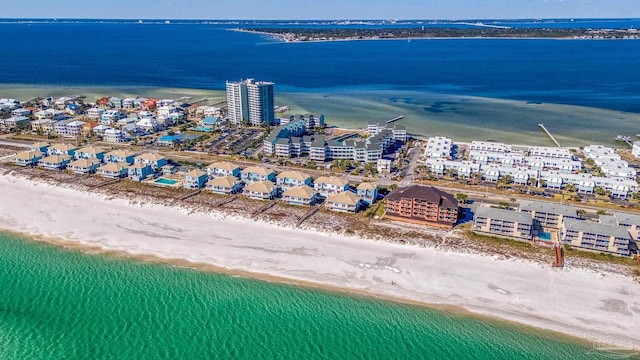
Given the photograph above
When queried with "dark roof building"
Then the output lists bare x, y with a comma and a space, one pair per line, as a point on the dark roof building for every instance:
422, 205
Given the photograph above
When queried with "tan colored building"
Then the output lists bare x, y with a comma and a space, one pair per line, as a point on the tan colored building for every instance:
345, 201
422, 205
224, 185
301, 195
596, 236
503, 223
262, 190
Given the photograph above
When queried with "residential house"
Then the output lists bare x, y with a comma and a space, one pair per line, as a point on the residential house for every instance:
548, 214
422, 205
44, 126
95, 113
62, 149
224, 168
300, 195
290, 179
90, 152
139, 171
14, 122
367, 192
120, 156
28, 158
195, 179
329, 185
345, 201
260, 190
156, 161
115, 136
84, 165
149, 124
110, 117
54, 162
40, 146
224, 185
68, 128
113, 170
595, 236
254, 174
503, 223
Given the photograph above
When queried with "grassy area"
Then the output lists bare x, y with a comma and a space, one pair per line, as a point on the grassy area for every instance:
504, 243
570, 251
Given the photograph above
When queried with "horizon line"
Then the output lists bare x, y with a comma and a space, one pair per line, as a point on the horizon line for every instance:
319, 19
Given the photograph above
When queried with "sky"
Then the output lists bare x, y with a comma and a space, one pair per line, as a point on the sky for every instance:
320, 9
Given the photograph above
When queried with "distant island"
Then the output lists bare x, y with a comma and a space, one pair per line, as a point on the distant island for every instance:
309, 34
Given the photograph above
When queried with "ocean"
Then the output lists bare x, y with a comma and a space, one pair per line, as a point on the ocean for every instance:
585, 91
59, 303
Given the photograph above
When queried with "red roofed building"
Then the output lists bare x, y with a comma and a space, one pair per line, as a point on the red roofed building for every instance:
149, 104
422, 205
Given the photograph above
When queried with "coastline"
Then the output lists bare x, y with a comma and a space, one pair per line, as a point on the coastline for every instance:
570, 301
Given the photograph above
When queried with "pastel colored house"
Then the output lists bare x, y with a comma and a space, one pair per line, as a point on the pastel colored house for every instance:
139, 171
367, 192
40, 146
54, 162
113, 170
120, 156
62, 149
195, 179
290, 179
254, 174
28, 158
329, 185
224, 185
156, 161
90, 152
345, 201
223, 168
301, 195
261, 190
84, 166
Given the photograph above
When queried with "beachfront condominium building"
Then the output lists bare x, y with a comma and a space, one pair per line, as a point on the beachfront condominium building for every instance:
250, 102
422, 205
596, 236
548, 214
503, 223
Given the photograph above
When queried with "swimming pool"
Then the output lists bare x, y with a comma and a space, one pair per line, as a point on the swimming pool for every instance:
165, 181
544, 236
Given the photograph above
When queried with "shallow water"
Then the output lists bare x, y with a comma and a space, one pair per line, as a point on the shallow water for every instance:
62, 304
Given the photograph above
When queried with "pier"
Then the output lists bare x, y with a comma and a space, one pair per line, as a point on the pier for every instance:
395, 119
549, 134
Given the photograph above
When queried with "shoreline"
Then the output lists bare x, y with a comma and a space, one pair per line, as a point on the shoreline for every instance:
282, 38
455, 310
423, 276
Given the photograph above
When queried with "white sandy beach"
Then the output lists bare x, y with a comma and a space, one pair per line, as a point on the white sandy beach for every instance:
603, 307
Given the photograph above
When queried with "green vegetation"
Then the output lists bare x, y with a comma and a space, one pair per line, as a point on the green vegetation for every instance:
443, 32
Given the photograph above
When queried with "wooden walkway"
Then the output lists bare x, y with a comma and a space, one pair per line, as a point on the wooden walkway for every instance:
308, 214
191, 194
226, 200
264, 207
106, 183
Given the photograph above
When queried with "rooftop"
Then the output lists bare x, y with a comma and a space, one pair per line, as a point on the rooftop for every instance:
505, 215
597, 228
548, 207
428, 193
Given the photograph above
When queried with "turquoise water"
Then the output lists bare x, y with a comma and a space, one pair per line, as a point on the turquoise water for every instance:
165, 181
62, 304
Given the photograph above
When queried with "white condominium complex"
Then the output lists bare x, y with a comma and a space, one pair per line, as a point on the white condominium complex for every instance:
251, 102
